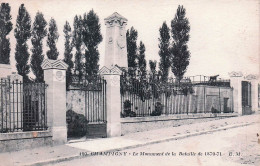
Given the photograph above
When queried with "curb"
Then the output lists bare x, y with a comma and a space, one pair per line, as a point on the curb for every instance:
62, 159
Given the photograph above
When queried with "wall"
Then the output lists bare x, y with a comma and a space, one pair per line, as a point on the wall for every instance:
24, 140
75, 101
209, 97
139, 124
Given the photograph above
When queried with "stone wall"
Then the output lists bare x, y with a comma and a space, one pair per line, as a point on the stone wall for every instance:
75, 101
213, 97
24, 140
139, 124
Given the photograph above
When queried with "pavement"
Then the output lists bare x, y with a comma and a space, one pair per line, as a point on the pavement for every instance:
75, 149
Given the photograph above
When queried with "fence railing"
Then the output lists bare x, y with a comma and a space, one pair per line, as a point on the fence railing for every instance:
222, 83
207, 80
22, 106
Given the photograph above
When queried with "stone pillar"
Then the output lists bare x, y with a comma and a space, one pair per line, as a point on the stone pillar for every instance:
236, 84
254, 91
55, 78
112, 77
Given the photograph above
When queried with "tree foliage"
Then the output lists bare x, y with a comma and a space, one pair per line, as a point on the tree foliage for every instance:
39, 31
91, 37
5, 27
77, 43
52, 39
131, 38
68, 52
164, 52
142, 61
22, 33
152, 65
180, 54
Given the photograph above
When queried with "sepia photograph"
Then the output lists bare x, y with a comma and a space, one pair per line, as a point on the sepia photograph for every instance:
123, 83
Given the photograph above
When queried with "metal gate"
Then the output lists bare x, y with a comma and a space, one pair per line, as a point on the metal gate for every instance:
246, 98
94, 117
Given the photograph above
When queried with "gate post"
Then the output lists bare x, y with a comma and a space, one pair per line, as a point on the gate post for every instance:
254, 91
55, 78
113, 100
236, 84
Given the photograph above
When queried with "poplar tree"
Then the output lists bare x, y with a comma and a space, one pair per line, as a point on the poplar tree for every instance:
22, 33
52, 39
68, 52
39, 31
164, 51
5, 27
152, 65
131, 38
142, 61
180, 54
77, 43
91, 37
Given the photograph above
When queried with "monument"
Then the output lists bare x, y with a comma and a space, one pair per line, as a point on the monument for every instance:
115, 59
115, 46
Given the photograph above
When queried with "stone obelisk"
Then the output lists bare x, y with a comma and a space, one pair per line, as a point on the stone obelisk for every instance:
115, 46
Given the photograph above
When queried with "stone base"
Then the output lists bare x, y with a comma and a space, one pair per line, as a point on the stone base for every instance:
24, 140
98, 130
59, 135
113, 129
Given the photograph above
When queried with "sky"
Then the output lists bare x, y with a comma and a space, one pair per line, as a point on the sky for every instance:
224, 35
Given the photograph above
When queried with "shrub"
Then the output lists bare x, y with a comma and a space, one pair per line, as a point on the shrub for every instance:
186, 89
214, 110
77, 124
158, 109
132, 114
127, 109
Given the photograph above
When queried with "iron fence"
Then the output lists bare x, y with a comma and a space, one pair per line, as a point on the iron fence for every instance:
22, 106
207, 80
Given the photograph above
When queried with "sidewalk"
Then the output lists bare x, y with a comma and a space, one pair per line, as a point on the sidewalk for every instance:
49, 155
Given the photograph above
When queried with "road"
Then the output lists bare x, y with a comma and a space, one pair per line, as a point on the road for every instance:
238, 146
